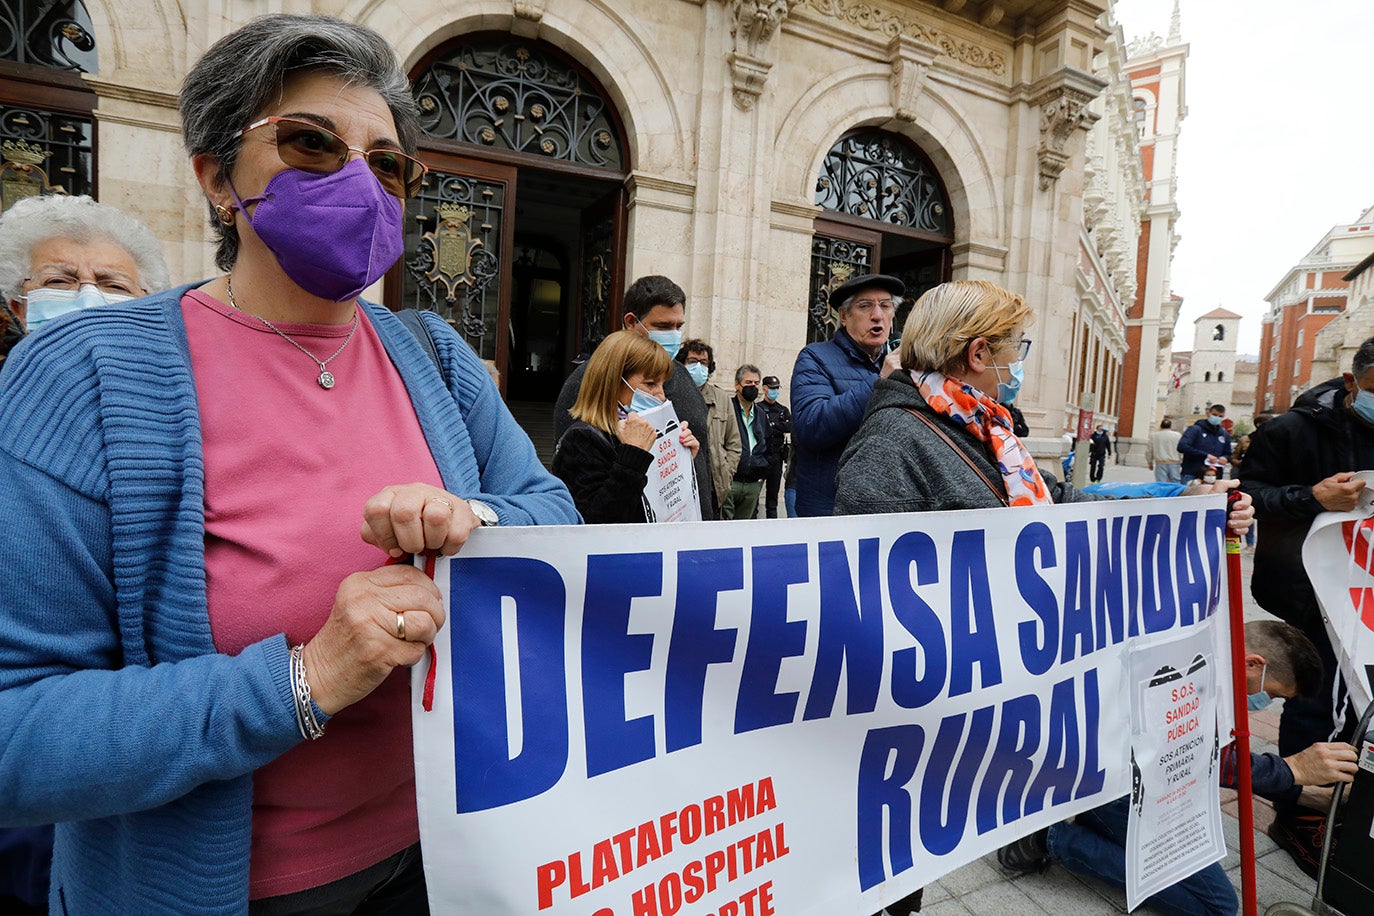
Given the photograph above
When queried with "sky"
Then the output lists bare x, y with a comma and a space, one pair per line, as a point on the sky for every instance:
1277, 147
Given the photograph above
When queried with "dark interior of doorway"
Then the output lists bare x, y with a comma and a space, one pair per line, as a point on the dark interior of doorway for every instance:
545, 304
918, 263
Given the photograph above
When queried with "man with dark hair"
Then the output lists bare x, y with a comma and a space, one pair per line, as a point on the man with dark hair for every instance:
656, 308
832, 380
1299, 465
699, 360
1279, 662
779, 422
1099, 447
1164, 458
1205, 444
743, 498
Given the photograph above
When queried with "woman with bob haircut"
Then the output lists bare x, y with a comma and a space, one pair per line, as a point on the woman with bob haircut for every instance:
604, 456
940, 430
202, 649
937, 436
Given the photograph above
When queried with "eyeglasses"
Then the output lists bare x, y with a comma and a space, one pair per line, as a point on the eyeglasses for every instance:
117, 286
886, 306
312, 148
1022, 348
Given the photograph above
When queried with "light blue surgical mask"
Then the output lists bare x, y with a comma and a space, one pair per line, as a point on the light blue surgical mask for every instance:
699, 373
1363, 405
1261, 700
641, 400
668, 340
1007, 391
46, 304
1214, 419
773, 393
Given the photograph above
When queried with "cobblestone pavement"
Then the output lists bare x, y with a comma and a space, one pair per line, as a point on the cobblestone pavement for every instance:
982, 889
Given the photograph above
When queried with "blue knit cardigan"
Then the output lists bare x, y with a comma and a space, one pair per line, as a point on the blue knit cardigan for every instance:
118, 719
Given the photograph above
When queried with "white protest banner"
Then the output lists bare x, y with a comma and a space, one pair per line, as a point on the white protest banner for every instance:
671, 491
1179, 694
808, 717
1339, 558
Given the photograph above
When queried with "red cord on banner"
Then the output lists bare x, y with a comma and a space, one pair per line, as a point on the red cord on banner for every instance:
427, 696
1244, 798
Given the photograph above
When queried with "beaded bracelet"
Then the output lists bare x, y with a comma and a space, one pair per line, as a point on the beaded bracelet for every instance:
306, 720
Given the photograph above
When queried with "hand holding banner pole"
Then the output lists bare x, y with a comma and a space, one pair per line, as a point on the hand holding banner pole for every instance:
1244, 798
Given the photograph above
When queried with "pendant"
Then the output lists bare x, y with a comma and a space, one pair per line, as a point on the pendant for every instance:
326, 379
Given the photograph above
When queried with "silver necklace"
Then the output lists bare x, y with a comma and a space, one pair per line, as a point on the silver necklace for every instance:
326, 378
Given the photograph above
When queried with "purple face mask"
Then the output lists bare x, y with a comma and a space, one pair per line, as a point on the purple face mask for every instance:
334, 234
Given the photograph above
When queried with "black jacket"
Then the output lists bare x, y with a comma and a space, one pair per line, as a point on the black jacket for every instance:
753, 464
1318, 437
605, 476
779, 421
689, 406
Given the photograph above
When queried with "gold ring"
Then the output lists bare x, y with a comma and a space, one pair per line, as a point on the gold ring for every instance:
401, 627
440, 499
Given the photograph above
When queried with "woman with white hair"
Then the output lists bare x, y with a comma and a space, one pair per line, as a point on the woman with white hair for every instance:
203, 649
59, 254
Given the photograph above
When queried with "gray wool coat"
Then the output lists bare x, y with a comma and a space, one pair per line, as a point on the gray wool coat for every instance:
895, 463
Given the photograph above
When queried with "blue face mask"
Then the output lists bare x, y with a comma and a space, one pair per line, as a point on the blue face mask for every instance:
699, 373
1261, 700
641, 400
1214, 419
1363, 405
773, 393
1007, 391
668, 340
47, 304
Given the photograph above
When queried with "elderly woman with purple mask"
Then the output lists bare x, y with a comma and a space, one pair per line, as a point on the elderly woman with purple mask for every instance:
202, 649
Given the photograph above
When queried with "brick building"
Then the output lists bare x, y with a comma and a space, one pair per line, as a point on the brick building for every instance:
1312, 294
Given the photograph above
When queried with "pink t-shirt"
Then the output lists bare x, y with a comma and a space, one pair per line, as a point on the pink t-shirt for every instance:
288, 466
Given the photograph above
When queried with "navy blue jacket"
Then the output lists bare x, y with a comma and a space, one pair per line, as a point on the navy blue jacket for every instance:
831, 382
1200, 440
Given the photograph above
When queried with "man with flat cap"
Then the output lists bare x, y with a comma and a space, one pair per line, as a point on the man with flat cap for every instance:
832, 380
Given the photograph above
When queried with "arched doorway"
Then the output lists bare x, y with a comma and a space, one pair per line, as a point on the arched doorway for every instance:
517, 237
886, 212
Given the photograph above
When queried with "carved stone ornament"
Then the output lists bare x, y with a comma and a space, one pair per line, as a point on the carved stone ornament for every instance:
872, 18
753, 23
1062, 111
531, 10
911, 60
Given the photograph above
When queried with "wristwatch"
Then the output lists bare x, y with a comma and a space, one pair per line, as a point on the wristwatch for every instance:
485, 514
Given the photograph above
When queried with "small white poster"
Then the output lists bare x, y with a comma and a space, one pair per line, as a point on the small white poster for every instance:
1174, 828
671, 492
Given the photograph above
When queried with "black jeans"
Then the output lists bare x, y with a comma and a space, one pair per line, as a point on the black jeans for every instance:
1096, 465
393, 887
774, 481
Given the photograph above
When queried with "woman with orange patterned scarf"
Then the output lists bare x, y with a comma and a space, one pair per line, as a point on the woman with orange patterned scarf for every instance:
938, 436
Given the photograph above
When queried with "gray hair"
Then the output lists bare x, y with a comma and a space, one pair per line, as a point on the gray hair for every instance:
744, 370
241, 74
1364, 358
35, 220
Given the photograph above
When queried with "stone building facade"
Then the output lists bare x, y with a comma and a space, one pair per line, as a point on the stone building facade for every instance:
1157, 69
1207, 373
1312, 295
1337, 342
756, 151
